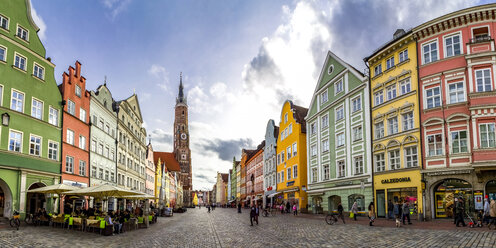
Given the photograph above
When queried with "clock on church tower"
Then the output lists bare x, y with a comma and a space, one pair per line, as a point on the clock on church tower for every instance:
181, 143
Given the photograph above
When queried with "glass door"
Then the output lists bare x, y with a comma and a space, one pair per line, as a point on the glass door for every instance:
381, 203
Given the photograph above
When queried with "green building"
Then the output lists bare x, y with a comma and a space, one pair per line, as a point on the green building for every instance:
338, 139
30, 107
233, 181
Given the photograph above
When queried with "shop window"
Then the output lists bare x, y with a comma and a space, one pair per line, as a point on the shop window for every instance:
402, 195
445, 194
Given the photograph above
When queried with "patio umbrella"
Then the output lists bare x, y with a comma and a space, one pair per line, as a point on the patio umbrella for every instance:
58, 189
141, 196
103, 191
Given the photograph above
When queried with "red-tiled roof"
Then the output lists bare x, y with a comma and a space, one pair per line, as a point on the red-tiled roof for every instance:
169, 159
225, 177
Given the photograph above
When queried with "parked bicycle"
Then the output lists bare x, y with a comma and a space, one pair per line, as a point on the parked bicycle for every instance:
15, 220
331, 218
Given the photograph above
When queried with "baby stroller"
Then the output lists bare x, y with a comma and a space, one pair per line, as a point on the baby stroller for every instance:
471, 224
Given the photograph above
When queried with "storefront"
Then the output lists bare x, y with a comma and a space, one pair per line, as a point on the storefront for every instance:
398, 187
447, 191
295, 196
491, 189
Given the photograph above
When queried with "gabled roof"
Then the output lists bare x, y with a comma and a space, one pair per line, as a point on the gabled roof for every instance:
133, 100
225, 177
398, 35
169, 159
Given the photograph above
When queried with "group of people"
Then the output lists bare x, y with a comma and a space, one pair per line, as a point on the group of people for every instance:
288, 208
210, 206
489, 215
399, 211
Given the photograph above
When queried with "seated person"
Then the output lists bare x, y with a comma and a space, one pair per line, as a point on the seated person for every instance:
117, 225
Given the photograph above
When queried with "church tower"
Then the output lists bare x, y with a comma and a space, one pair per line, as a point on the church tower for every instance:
181, 143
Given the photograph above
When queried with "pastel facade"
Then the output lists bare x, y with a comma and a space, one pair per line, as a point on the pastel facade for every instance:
292, 156
254, 175
270, 162
30, 111
234, 181
457, 87
396, 133
150, 171
338, 136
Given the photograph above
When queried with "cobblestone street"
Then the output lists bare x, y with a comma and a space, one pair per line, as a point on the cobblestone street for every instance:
226, 228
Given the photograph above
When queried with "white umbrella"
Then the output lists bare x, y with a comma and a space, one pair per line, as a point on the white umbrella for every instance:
103, 192
139, 197
58, 189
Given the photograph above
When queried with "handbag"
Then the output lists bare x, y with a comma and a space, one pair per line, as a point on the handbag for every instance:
352, 215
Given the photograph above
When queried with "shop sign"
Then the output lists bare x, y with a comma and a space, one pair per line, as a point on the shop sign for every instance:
479, 205
291, 183
455, 172
269, 188
344, 183
396, 180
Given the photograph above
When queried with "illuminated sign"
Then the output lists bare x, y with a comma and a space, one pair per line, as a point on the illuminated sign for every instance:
396, 180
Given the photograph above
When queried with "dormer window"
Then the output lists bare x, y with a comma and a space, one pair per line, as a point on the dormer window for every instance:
22, 33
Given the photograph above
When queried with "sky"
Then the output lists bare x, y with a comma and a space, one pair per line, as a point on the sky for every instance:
240, 59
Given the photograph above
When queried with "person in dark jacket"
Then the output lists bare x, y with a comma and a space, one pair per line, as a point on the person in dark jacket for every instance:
253, 212
288, 207
406, 213
460, 211
239, 207
340, 212
390, 208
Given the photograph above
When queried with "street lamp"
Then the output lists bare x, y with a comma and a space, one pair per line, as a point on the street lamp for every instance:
5, 119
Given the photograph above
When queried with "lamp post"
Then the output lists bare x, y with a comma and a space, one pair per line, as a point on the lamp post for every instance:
5, 119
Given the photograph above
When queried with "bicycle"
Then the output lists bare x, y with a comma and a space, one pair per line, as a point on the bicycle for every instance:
15, 220
331, 218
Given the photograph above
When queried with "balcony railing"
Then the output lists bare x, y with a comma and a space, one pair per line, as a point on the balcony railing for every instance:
480, 39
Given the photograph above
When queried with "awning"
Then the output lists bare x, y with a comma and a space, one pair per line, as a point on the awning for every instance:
291, 190
274, 194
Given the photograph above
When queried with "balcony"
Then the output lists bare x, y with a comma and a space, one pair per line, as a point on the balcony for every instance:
480, 39
481, 44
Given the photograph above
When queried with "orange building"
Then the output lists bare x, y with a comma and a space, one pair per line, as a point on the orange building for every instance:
75, 132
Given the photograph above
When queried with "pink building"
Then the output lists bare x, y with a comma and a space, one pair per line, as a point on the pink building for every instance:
254, 175
457, 65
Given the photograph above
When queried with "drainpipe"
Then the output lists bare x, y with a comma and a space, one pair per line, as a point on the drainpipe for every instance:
61, 150
371, 131
421, 135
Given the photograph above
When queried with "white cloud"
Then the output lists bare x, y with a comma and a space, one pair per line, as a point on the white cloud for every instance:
116, 7
41, 24
161, 74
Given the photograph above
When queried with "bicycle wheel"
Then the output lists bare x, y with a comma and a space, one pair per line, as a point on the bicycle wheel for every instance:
330, 219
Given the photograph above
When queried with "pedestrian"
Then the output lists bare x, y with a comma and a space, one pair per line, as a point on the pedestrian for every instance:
295, 209
239, 207
455, 216
371, 213
390, 208
406, 213
354, 210
281, 207
340, 211
252, 214
492, 213
396, 212
288, 207
257, 212
487, 208
460, 211
208, 208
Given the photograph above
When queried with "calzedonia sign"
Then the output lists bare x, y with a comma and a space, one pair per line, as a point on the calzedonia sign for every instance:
396, 180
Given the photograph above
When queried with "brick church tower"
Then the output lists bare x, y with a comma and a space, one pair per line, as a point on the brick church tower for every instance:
181, 143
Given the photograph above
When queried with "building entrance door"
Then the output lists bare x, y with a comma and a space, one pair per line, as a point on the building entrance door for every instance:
381, 203
491, 189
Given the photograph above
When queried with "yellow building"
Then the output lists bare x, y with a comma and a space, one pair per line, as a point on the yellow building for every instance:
292, 156
396, 124
158, 180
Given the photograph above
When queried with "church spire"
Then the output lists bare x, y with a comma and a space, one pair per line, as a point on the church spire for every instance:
180, 97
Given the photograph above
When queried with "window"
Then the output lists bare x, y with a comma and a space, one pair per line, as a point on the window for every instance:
295, 171
411, 156
403, 55
340, 140
78, 91
3, 53
356, 103
325, 121
487, 135
285, 117
17, 101
314, 175
282, 157
429, 52
391, 92
53, 150
341, 168
4, 22
394, 159
393, 125
324, 97
112, 177
378, 70
288, 173
459, 141
82, 168
38, 71
35, 145
407, 121
290, 128
22, 33
339, 113
294, 149
20, 62
82, 115
357, 133
338, 87
326, 172
358, 163
313, 150
69, 164
53, 116
278, 158
389, 63
70, 137
106, 175
37, 109
100, 174
82, 142
288, 152
456, 92
93, 145
405, 86
452, 44
71, 107
379, 130
380, 164
325, 145
282, 176
483, 79
313, 128
378, 97
435, 144
433, 97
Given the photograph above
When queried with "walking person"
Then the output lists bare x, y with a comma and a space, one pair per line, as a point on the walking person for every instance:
295, 210
460, 210
354, 210
397, 213
492, 213
239, 207
288, 207
406, 213
257, 212
390, 208
340, 212
208, 208
455, 212
371, 213
252, 214
487, 208
281, 207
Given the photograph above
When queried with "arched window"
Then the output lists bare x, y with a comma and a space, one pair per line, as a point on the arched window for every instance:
360, 200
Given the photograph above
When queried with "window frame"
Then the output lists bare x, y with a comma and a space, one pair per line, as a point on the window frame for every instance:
340, 139
401, 56
295, 171
391, 92
51, 116
51, 149
390, 63
25, 69
23, 99
459, 141
407, 123
483, 79
338, 86
358, 169
324, 97
435, 144
67, 163
379, 131
380, 165
24, 29
31, 136
325, 145
20, 143
378, 97
403, 83
33, 99
396, 159
378, 70
393, 127
341, 167
324, 121
82, 168
413, 156
356, 107
82, 110
5, 49
456, 91
7, 22
445, 46
78, 91
337, 110
488, 133
429, 43
82, 142
42, 77
67, 140
354, 133
433, 97
73, 113
327, 171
